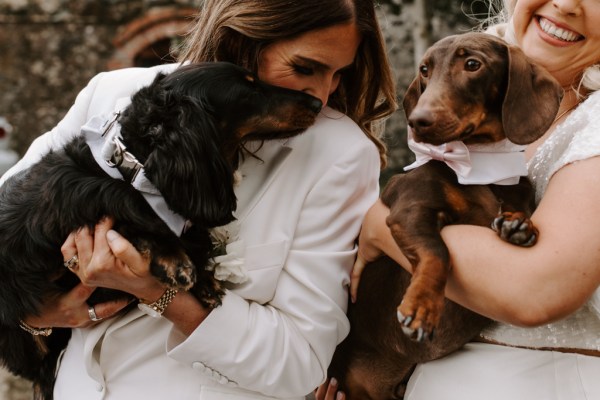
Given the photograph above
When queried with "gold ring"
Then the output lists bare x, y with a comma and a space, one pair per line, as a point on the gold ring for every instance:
92, 314
72, 263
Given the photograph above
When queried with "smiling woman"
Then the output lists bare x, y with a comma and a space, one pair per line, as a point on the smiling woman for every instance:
546, 298
561, 35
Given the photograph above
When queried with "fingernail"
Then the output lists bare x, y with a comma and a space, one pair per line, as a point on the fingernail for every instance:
112, 235
333, 382
339, 396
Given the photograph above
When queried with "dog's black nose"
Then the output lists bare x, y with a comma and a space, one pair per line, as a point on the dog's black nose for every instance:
315, 105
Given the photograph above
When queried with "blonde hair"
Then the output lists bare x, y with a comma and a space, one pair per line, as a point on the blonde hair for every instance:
237, 30
498, 23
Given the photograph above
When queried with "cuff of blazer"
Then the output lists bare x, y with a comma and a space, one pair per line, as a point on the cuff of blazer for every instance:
215, 336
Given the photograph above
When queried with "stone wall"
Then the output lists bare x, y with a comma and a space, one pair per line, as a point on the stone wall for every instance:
49, 49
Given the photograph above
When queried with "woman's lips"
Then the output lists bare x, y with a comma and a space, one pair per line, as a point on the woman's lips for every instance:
558, 32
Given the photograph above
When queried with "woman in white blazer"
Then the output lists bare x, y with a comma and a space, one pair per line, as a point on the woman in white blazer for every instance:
300, 207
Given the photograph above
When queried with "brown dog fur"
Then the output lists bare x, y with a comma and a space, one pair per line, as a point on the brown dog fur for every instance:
477, 89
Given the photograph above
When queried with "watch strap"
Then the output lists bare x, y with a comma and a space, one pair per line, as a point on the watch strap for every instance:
163, 301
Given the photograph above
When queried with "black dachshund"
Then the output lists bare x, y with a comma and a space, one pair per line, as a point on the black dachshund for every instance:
184, 133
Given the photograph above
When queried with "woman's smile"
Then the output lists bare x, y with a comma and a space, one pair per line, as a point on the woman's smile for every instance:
557, 31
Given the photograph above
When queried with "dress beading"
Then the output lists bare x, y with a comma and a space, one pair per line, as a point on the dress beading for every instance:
576, 139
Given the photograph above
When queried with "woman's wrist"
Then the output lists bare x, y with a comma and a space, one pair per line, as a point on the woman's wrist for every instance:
185, 312
150, 294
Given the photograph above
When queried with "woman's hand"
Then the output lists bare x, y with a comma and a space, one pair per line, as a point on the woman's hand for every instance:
369, 242
70, 310
329, 391
374, 241
108, 260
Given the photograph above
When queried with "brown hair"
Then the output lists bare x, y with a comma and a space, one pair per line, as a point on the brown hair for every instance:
237, 30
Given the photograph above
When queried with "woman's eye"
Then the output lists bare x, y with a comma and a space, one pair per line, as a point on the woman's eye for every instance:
303, 70
472, 65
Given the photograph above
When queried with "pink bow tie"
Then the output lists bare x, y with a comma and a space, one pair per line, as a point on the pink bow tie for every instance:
454, 154
501, 163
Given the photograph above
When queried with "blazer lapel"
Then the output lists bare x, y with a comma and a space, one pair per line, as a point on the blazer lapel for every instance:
258, 174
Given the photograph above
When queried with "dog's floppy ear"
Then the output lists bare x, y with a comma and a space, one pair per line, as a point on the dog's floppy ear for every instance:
411, 96
186, 164
531, 101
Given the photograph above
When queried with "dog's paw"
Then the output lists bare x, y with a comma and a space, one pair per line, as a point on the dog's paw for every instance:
208, 290
419, 313
515, 228
175, 272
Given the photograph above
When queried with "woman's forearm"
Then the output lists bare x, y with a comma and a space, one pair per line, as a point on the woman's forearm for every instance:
185, 312
523, 286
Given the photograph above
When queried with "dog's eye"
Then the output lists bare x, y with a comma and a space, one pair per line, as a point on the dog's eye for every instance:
472, 65
424, 70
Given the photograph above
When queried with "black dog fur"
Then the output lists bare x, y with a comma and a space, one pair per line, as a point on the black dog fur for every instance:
187, 128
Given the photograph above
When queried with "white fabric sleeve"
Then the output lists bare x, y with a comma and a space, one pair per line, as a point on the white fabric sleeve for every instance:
584, 125
283, 348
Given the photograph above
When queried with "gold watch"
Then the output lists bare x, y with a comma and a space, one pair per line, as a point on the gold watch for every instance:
157, 308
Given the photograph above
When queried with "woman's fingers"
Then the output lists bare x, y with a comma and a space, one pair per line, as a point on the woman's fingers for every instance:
110, 308
84, 245
68, 249
127, 254
67, 310
329, 391
359, 266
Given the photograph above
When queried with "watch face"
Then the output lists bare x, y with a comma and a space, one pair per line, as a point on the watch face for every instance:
146, 309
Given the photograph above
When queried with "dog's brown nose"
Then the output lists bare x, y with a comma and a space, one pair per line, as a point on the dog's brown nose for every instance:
420, 119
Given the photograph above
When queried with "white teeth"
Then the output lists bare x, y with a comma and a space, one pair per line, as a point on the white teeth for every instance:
557, 32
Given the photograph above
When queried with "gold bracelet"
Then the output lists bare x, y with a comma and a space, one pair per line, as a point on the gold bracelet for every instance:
34, 331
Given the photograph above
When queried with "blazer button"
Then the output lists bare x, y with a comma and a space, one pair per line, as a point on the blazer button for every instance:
199, 366
232, 384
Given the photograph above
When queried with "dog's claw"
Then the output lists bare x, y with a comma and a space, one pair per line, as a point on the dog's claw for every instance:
400, 316
404, 320
407, 331
515, 228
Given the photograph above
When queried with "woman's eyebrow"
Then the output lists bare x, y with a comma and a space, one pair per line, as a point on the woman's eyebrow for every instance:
319, 65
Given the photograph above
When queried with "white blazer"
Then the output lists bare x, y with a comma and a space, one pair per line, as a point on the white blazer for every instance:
300, 209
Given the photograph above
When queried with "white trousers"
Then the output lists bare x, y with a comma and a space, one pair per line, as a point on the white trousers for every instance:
490, 372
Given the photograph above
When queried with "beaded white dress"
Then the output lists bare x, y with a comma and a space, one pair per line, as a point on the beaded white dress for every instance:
485, 371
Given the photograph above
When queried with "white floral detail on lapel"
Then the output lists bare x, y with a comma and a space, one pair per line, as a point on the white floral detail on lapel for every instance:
227, 259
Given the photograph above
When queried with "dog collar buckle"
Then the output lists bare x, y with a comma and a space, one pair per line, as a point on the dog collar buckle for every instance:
108, 125
124, 161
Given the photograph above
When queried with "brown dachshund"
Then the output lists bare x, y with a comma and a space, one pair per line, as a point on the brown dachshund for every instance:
474, 95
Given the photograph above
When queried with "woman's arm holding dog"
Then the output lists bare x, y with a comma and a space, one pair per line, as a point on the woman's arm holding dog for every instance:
523, 286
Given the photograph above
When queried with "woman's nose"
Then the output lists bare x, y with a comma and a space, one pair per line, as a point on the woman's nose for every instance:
568, 7
323, 89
